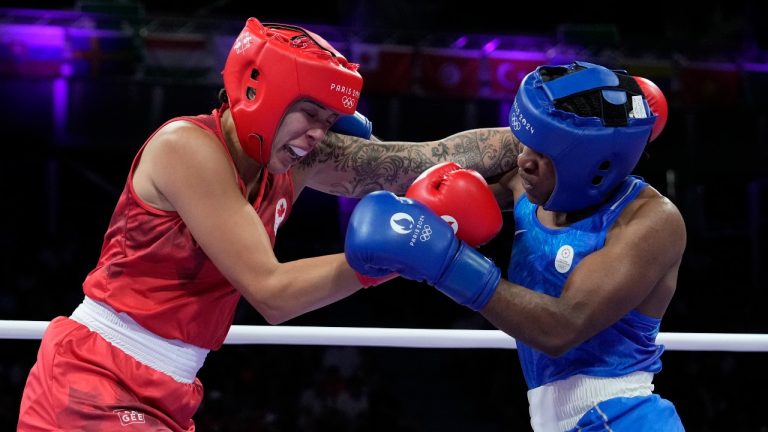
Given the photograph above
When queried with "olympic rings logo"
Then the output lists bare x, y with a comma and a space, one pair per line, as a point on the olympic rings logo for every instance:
348, 102
514, 122
426, 233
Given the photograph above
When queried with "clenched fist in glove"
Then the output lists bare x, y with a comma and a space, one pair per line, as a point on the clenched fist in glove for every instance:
389, 234
462, 198
657, 102
354, 125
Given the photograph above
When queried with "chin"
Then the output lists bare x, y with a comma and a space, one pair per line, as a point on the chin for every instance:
277, 167
537, 200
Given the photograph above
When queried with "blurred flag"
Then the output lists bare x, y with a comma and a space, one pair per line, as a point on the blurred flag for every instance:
447, 71
710, 84
508, 68
385, 68
100, 53
179, 56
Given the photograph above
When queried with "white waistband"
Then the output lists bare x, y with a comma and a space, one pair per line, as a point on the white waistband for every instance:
558, 406
179, 360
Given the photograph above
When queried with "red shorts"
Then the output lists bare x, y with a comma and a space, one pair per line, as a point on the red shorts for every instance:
82, 382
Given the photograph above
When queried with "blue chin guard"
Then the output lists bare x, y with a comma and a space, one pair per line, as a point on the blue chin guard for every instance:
590, 157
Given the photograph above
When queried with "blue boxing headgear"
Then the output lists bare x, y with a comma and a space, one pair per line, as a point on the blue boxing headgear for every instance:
593, 124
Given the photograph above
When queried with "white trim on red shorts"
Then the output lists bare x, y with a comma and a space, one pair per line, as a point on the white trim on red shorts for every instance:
175, 358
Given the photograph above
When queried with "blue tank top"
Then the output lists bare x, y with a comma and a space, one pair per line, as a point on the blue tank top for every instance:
542, 258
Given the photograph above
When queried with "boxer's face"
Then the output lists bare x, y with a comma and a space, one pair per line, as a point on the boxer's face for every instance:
537, 174
303, 127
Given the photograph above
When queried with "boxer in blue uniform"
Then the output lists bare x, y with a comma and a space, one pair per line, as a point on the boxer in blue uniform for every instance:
595, 257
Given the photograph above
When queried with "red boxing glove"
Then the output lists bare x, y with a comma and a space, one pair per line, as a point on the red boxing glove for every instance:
656, 101
462, 198
369, 281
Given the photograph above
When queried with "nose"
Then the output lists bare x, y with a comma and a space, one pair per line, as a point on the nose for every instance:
316, 134
527, 160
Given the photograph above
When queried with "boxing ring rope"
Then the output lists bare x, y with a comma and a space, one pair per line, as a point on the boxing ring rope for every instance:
416, 338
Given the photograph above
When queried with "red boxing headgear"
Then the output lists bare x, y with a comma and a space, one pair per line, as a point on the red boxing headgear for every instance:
272, 66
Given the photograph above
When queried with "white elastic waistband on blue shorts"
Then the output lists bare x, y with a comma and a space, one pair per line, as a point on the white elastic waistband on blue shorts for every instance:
559, 405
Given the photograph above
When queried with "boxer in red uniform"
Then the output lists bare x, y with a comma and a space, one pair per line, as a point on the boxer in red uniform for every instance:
194, 228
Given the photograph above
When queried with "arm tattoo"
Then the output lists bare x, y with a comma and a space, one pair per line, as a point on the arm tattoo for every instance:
394, 165
488, 151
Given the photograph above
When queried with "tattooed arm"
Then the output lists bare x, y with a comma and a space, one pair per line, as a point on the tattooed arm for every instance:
350, 166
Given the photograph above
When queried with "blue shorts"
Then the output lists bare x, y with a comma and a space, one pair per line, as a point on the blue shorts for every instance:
635, 414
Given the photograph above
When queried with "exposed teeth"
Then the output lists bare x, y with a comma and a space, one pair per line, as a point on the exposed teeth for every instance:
299, 152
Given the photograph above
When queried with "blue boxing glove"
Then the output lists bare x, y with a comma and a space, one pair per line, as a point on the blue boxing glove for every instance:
390, 234
354, 125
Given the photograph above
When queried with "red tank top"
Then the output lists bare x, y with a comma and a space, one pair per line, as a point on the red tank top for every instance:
152, 269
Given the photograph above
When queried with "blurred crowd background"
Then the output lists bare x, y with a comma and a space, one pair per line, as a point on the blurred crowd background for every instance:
84, 83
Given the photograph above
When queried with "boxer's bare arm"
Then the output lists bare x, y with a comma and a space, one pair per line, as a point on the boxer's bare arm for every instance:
351, 166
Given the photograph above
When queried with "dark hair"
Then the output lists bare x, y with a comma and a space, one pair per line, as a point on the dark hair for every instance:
223, 96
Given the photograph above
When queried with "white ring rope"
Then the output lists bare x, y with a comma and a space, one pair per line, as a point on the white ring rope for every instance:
416, 338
